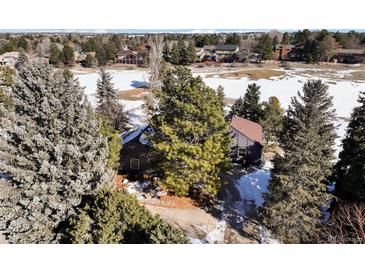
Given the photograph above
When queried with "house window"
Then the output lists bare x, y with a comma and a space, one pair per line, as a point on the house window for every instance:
241, 152
134, 163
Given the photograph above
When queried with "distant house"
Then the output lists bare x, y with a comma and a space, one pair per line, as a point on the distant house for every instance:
9, 58
130, 57
206, 53
81, 57
247, 141
135, 153
226, 52
350, 56
281, 52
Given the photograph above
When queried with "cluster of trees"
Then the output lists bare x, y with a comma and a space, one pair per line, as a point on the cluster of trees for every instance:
298, 191
106, 49
55, 179
347, 221
180, 53
269, 114
65, 56
14, 44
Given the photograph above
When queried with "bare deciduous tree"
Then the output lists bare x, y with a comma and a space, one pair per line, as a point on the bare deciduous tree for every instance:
154, 68
155, 60
346, 225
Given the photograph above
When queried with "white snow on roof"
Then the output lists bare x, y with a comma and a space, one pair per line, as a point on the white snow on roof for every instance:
134, 133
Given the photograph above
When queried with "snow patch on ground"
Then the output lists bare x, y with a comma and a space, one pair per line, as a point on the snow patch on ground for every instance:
252, 185
265, 237
216, 236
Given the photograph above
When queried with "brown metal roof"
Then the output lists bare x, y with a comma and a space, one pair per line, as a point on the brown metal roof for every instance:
248, 128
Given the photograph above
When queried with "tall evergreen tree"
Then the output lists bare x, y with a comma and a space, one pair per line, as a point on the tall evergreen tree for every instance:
272, 120
67, 55
55, 56
191, 135
220, 95
166, 52
22, 59
265, 48
350, 169
249, 107
237, 108
108, 105
184, 56
191, 53
52, 154
297, 189
175, 55
286, 39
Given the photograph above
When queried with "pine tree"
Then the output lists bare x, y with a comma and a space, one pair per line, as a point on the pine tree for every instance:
115, 217
166, 52
22, 59
183, 53
108, 105
191, 53
114, 143
220, 95
55, 56
89, 61
237, 108
265, 48
191, 135
272, 120
6, 80
350, 169
68, 55
101, 56
52, 155
175, 55
297, 189
249, 107
286, 39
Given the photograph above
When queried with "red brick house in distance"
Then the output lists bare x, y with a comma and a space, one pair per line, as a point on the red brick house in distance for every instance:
281, 51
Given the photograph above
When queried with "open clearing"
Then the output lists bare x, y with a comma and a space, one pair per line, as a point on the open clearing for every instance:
132, 94
252, 74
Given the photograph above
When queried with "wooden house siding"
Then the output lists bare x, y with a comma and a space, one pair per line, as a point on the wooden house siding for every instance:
253, 149
135, 150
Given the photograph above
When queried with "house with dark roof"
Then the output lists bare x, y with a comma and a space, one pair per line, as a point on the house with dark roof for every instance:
135, 154
226, 53
349, 56
247, 141
130, 57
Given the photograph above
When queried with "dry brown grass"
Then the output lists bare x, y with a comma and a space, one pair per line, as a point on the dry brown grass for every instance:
132, 94
358, 75
254, 74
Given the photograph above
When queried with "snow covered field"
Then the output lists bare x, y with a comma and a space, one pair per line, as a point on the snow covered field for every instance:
344, 92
